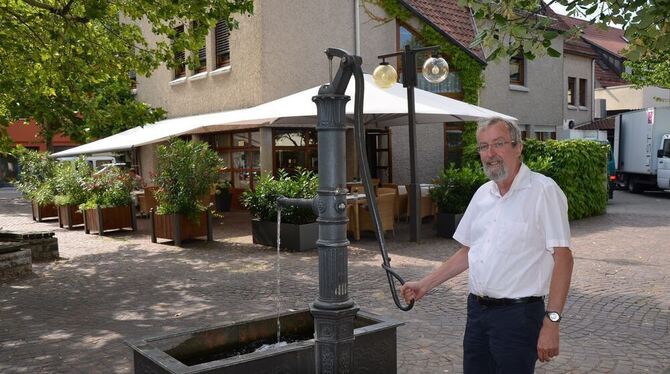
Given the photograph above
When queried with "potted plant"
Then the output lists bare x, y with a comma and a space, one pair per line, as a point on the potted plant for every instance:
109, 205
69, 178
35, 182
223, 195
299, 230
184, 178
452, 193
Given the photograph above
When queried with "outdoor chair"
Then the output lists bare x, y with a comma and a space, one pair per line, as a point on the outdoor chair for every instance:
386, 206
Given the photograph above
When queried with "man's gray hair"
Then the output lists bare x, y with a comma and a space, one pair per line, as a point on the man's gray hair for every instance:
513, 128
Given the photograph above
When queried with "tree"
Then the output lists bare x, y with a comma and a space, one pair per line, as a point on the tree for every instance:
65, 63
523, 25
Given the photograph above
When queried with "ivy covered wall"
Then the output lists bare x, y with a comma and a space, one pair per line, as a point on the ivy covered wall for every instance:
469, 69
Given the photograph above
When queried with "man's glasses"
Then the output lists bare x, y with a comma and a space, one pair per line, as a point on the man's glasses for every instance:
482, 148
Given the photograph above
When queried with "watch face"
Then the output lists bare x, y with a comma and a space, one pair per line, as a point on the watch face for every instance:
554, 316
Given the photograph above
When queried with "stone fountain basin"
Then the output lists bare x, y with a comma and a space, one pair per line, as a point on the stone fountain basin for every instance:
205, 350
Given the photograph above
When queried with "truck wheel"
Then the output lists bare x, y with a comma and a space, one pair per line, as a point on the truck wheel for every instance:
634, 187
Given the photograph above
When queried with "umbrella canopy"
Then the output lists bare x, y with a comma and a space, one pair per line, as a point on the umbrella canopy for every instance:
381, 107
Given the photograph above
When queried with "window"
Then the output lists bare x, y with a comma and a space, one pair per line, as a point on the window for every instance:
132, 75
545, 135
453, 144
378, 147
222, 42
571, 91
202, 57
582, 92
240, 152
517, 73
450, 87
180, 70
294, 148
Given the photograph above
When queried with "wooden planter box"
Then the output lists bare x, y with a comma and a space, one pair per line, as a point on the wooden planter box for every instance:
41, 212
179, 228
105, 219
447, 223
293, 237
69, 216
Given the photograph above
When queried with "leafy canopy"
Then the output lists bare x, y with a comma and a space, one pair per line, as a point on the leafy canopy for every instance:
522, 24
67, 63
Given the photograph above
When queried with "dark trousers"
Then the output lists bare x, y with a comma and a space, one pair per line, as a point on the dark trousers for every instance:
501, 339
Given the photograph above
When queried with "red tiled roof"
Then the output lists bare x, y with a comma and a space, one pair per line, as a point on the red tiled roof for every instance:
607, 77
610, 39
578, 47
598, 124
450, 18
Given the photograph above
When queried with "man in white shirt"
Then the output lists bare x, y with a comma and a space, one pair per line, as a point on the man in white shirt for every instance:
516, 237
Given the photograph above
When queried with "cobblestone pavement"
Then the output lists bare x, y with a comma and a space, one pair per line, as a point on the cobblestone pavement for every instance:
73, 315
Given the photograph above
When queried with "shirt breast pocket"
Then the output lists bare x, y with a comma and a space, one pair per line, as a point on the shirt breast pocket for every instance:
512, 236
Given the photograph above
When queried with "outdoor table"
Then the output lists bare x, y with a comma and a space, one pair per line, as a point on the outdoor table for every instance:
354, 200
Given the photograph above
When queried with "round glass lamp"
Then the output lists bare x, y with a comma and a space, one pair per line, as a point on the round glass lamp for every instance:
435, 70
385, 75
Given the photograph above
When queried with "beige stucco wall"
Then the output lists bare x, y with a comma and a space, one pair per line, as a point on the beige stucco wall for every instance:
539, 103
579, 67
238, 87
629, 98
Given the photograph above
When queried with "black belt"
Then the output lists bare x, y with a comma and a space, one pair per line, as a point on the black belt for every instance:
490, 301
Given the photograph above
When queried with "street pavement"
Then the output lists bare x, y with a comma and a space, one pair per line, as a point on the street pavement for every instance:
73, 315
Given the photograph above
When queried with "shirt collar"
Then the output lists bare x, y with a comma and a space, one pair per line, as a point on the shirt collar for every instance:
521, 181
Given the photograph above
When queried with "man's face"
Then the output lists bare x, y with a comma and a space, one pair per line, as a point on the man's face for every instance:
498, 162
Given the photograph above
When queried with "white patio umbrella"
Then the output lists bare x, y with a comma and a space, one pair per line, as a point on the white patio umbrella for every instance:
384, 107
381, 107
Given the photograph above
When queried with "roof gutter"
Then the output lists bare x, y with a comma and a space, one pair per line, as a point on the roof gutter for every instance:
445, 34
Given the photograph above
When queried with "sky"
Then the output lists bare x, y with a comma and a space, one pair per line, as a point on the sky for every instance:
560, 9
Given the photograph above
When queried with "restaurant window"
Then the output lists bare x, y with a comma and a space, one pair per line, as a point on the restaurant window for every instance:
293, 149
222, 44
240, 154
378, 147
517, 69
180, 69
545, 135
571, 91
201, 57
451, 87
453, 144
582, 92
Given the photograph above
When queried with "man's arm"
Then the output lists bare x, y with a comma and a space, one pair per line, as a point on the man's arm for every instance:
455, 265
548, 342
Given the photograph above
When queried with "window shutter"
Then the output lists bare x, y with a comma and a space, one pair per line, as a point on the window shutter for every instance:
222, 37
180, 71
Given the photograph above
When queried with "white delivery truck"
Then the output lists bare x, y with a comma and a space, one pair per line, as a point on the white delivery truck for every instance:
642, 149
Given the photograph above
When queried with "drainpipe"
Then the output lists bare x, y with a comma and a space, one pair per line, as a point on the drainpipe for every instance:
357, 28
593, 89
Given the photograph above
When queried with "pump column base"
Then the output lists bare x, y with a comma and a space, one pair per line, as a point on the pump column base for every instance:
334, 330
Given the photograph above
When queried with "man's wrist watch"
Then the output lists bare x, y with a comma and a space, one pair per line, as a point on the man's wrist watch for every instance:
553, 316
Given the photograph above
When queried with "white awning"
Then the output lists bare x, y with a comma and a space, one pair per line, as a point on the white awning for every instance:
381, 107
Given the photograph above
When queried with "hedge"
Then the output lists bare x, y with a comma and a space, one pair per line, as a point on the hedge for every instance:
578, 166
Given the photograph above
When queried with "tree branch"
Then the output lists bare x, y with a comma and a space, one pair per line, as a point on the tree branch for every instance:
63, 12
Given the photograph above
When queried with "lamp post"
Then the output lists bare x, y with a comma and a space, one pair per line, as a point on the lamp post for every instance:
435, 70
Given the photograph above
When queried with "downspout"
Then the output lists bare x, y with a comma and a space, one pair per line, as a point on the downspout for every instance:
357, 28
593, 89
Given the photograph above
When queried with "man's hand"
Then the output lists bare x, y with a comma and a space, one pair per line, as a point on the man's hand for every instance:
547, 343
412, 291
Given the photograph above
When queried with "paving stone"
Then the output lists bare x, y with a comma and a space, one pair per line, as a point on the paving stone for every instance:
74, 314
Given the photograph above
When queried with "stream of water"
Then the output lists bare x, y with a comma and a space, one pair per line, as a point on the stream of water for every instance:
278, 274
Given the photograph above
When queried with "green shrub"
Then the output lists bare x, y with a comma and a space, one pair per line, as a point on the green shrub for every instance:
107, 189
35, 179
454, 187
578, 166
262, 202
69, 178
186, 172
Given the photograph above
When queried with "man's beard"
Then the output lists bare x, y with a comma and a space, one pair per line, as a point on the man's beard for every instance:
495, 172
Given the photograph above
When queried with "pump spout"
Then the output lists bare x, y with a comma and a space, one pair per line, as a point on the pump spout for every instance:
299, 203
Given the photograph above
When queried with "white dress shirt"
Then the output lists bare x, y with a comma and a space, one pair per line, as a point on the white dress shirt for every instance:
512, 237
